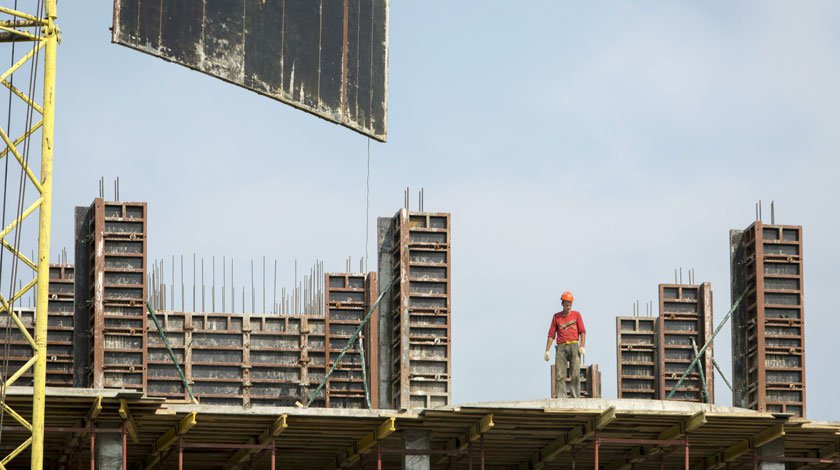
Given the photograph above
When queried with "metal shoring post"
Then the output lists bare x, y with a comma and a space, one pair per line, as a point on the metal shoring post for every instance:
378, 456
180, 453
574, 456
92, 447
482, 451
661, 460
273, 454
755, 459
597, 449
469, 455
686, 452
124, 447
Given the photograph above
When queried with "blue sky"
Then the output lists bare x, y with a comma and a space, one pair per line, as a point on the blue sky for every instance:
586, 146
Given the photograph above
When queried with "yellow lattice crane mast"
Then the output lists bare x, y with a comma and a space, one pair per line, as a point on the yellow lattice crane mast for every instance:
38, 30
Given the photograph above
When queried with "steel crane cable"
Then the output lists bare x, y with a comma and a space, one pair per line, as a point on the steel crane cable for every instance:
6, 345
33, 80
367, 205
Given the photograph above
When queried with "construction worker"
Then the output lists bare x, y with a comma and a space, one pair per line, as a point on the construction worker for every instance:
568, 330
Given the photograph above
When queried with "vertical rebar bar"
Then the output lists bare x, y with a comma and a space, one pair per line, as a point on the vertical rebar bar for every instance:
274, 299
202, 285
172, 286
224, 283
213, 286
263, 284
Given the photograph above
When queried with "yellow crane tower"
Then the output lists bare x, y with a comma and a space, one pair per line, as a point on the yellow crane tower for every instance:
40, 31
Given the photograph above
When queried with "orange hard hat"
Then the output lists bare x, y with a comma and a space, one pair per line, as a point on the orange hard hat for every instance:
567, 296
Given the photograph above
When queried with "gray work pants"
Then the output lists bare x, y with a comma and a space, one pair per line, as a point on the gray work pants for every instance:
567, 361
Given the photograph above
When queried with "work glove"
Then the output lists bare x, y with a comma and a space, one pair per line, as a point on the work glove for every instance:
582, 351
546, 356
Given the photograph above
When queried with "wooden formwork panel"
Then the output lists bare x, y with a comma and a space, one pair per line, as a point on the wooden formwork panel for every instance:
118, 291
421, 309
636, 357
590, 381
348, 299
685, 322
768, 326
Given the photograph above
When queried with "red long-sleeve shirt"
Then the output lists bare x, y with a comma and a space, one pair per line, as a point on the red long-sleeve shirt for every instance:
566, 328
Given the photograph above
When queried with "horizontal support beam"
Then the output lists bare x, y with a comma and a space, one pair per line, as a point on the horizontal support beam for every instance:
354, 452
676, 431
95, 409
128, 421
165, 441
473, 434
565, 442
270, 433
828, 452
720, 459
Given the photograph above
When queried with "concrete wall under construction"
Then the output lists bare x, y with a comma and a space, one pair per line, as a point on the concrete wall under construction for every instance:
768, 341
403, 358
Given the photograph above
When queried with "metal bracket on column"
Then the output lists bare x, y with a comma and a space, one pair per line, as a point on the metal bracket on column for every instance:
363, 445
565, 442
721, 458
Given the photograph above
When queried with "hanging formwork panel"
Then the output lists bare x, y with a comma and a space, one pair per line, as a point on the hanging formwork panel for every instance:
348, 298
117, 282
636, 357
590, 381
768, 338
60, 321
421, 310
685, 324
